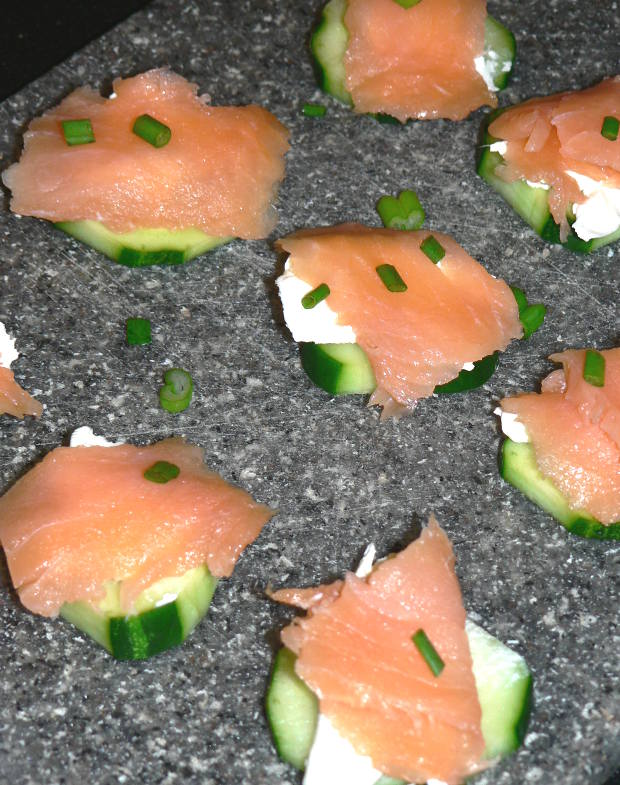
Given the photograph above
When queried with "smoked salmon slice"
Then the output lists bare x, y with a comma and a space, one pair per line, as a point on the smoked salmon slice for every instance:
218, 173
86, 516
450, 312
573, 427
13, 399
355, 651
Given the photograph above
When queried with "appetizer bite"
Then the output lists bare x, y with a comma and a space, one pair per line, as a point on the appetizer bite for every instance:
556, 161
419, 59
385, 676
154, 174
125, 542
563, 444
13, 399
399, 314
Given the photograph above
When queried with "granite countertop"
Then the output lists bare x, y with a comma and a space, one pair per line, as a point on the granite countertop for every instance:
337, 475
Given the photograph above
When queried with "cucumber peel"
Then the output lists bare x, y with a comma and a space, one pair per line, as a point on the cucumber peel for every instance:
155, 624
531, 203
518, 467
143, 247
330, 39
503, 683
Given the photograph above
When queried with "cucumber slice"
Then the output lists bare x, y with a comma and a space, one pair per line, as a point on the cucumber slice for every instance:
532, 204
292, 711
338, 368
504, 685
500, 50
330, 38
518, 467
156, 624
344, 369
503, 682
143, 247
470, 380
328, 45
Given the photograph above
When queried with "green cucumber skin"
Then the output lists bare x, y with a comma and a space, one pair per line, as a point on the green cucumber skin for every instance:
528, 202
352, 374
143, 248
328, 45
518, 467
510, 705
152, 631
292, 711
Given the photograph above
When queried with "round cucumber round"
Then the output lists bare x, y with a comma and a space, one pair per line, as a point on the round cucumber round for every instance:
532, 204
164, 615
330, 39
143, 247
518, 467
344, 369
503, 683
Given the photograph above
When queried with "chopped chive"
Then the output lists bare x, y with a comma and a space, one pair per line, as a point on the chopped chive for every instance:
391, 278
314, 110
151, 130
177, 391
594, 368
531, 318
162, 471
138, 331
428, 652
520, 297
78, 131
315, 296
610, 128
433, 249
407, 3
402, 212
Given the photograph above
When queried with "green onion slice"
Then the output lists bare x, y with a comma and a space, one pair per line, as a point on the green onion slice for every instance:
177, 391
402, 212
433, 249
78, 131
407, 3
428, 652
610, 128
520, 297
391, 278
161, 472
152, 131
314, 110
594, 368
138, 331
532, 318
314, 297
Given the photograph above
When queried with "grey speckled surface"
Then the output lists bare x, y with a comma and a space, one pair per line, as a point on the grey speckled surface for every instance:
339, 477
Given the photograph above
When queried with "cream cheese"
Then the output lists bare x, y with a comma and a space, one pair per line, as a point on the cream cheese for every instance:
8, 352
511, 426
85, 437
316, 325
599, 215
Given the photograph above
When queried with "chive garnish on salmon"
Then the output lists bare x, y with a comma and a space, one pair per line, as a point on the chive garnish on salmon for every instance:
428, 652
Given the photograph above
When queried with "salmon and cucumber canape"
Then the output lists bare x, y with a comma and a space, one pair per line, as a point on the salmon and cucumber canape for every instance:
556, 161
153, 174
412, 59
385, 680
398, 314
127, 543
13, 399
563, 444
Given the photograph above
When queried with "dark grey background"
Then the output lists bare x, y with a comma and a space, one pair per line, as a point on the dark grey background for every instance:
338, 476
